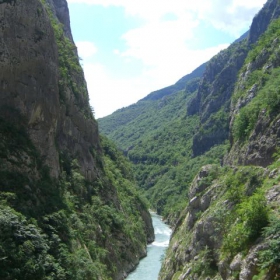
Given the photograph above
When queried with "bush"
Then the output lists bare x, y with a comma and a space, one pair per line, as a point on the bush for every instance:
270, 257
251, 216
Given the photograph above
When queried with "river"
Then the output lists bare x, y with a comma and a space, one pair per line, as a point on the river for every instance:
149, 267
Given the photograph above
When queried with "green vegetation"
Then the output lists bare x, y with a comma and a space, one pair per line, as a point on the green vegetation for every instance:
204, 267
239, 215
56, 229
252, 216
74, 228
158, 141
267, 101
71, 76
262, 83
68, 227
270, 256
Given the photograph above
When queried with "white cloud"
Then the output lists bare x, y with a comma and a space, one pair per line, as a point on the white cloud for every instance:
161, 45
117, 52
107, 93
230, 15
86, 49
249, 3
156, 42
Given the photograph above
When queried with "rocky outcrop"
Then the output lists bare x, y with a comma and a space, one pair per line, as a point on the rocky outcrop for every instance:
213, 95
194, 231
57, 155
60, 9
263, 138
29, 76
219, 79
270, 11
196, 247
262, 144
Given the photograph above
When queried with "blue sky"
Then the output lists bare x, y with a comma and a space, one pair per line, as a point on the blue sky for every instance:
131, 48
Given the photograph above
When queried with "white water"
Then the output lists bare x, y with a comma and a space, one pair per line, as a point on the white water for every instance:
149, 267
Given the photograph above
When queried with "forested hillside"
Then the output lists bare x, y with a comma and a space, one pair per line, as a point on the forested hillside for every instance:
156, 135
204, 152
69, 208
207, 158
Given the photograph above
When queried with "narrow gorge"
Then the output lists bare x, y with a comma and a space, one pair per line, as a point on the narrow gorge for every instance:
203, 153
69, 208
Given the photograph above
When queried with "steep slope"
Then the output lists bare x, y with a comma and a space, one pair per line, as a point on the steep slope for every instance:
230, 228
255, 105
168, 147
218, 82
114, 123
158, 140
65, 197
211, 102
170, 138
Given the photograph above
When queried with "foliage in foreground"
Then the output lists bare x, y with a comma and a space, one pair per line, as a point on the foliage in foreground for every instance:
64, 229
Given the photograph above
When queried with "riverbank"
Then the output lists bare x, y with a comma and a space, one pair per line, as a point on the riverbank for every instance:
149, 266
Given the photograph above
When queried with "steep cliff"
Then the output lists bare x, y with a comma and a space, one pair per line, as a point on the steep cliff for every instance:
208, 159
255, 105
156, 135
69, 210
216, 88
229, 230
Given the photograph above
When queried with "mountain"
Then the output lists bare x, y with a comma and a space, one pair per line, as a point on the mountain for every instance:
207, 158
69, 208
179, 85
155, 135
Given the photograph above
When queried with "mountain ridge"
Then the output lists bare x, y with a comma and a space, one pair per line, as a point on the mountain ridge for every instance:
65, 194
208, 160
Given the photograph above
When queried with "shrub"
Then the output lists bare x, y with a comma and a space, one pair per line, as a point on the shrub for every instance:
270, 257
251, 216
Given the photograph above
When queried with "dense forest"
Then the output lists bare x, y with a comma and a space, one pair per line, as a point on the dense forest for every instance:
206, 155
69, 208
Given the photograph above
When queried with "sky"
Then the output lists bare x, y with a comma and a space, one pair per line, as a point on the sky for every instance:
129, 48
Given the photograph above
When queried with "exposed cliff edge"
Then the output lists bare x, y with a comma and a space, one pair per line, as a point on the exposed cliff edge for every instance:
220, 234
69, 208
208, 159
229, 230
218, 82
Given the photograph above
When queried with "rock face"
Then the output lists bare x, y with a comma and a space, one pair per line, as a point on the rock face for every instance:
218, 82
217, 235
29, 79
261, 21
60, 9
200, 232
50, 141
36, 90
213, 96
264, 135
197, 248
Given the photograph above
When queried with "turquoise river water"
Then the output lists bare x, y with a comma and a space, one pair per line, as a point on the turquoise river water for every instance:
149, 267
